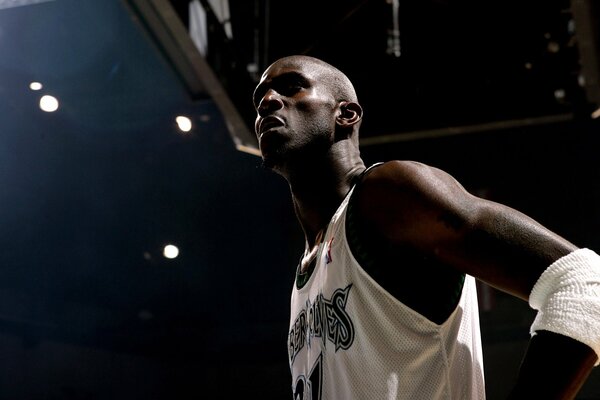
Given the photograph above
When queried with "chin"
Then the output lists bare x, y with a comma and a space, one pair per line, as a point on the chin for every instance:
272, 160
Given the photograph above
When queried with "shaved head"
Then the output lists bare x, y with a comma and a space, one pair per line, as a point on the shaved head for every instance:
338, 83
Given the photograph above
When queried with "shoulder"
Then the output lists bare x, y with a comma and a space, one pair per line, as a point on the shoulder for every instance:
405, 180
408, 199
395, 171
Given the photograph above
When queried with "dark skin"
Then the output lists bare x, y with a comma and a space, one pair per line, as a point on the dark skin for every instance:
310, 137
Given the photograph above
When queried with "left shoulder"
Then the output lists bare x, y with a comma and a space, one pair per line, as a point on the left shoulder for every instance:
406, 201
401, 184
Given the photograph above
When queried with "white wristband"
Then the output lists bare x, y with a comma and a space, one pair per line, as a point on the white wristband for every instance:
567, 297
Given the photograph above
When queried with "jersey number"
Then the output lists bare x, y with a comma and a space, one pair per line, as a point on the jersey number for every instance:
310, 389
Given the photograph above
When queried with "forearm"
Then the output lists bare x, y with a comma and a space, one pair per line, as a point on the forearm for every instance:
554, 367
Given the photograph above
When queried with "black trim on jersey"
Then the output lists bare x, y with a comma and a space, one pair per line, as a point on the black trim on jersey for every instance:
303, 277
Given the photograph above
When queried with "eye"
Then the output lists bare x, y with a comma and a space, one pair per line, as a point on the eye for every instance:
285, 85
290, 86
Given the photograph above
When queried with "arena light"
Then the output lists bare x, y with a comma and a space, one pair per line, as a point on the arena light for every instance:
35, 86
170, 251
49, 103
184, 123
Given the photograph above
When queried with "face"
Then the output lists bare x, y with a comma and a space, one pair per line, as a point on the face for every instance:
295, 114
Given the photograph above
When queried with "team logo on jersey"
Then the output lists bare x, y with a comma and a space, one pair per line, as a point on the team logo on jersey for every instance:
323, 318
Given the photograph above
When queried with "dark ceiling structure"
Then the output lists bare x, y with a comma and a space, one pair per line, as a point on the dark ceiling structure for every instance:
502, 94
444, 64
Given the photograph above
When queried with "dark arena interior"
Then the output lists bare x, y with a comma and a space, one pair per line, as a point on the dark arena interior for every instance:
147, 254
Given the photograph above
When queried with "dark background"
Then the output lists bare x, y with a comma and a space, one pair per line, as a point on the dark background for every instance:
498, 93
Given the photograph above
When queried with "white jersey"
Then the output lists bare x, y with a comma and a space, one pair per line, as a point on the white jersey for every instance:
350, 339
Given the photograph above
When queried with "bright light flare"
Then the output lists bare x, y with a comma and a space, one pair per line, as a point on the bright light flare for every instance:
35, 86
170, 251
49, 103
184, 123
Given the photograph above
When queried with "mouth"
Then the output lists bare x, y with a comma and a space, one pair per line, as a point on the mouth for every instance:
269, 123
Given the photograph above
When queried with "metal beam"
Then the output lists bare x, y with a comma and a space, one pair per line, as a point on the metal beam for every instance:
463, 130
161, 21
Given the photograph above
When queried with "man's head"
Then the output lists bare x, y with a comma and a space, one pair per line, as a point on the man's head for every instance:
305, 107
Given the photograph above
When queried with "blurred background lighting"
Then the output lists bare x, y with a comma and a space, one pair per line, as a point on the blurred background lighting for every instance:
170, 251
49, 103
560, 94
184, 123
35, 86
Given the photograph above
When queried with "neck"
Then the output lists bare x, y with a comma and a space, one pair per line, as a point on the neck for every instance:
318, 190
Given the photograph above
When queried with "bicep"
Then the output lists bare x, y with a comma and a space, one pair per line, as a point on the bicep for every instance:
427, 209
504, 248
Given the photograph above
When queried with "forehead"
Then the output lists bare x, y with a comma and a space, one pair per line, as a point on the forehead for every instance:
290, 66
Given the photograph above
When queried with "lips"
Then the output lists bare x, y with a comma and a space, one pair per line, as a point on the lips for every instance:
268, 123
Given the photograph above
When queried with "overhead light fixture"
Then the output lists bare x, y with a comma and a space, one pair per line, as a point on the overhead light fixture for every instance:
184, 123
49, 103
35, 86
170, 251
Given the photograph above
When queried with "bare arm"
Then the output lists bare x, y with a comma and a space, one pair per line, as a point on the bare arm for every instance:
426, 209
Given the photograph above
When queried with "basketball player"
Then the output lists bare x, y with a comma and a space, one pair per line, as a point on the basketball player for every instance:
384, 304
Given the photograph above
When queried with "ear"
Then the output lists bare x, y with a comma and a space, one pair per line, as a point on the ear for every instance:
349, 114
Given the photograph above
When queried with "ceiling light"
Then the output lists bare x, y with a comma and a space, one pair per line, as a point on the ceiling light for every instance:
170, 251
49, 103
35, 86
184, 123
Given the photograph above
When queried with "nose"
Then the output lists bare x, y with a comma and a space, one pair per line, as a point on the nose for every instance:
269, 103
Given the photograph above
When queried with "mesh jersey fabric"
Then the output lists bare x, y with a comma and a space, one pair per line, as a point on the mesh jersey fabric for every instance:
350, 339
